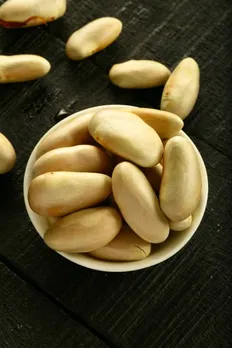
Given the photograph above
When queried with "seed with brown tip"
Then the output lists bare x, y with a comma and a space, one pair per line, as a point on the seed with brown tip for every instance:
28, 13
182, 88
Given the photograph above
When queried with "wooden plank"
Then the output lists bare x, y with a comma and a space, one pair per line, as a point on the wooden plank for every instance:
28, 319
184, 299
183, 302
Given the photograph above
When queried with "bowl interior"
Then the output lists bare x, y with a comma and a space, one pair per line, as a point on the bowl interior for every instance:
160, 252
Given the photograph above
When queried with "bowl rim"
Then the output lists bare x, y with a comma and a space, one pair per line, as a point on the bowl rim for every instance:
87, 261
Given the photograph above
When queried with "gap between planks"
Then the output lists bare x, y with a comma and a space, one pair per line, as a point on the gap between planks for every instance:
72, 315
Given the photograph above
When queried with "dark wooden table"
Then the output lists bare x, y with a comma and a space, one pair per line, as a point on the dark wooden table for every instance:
46, 301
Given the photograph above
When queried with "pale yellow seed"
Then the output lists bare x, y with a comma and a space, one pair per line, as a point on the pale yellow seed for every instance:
138, 203
61, 193
93, 37
22, 67
52, 220
7, 155
126, 246
164, 123
126, 135
154, 176
27, 13
181, 225
80, 158
139, 74
73, 132
84, 231
180, 189
182, 88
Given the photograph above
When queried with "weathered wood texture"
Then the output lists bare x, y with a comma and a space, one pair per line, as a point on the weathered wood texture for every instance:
29, 319
186, 301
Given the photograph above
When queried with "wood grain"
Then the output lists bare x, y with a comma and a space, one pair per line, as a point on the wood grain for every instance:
28, 319
186, 301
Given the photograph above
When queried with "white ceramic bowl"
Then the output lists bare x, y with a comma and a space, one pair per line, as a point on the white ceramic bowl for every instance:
160, 252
